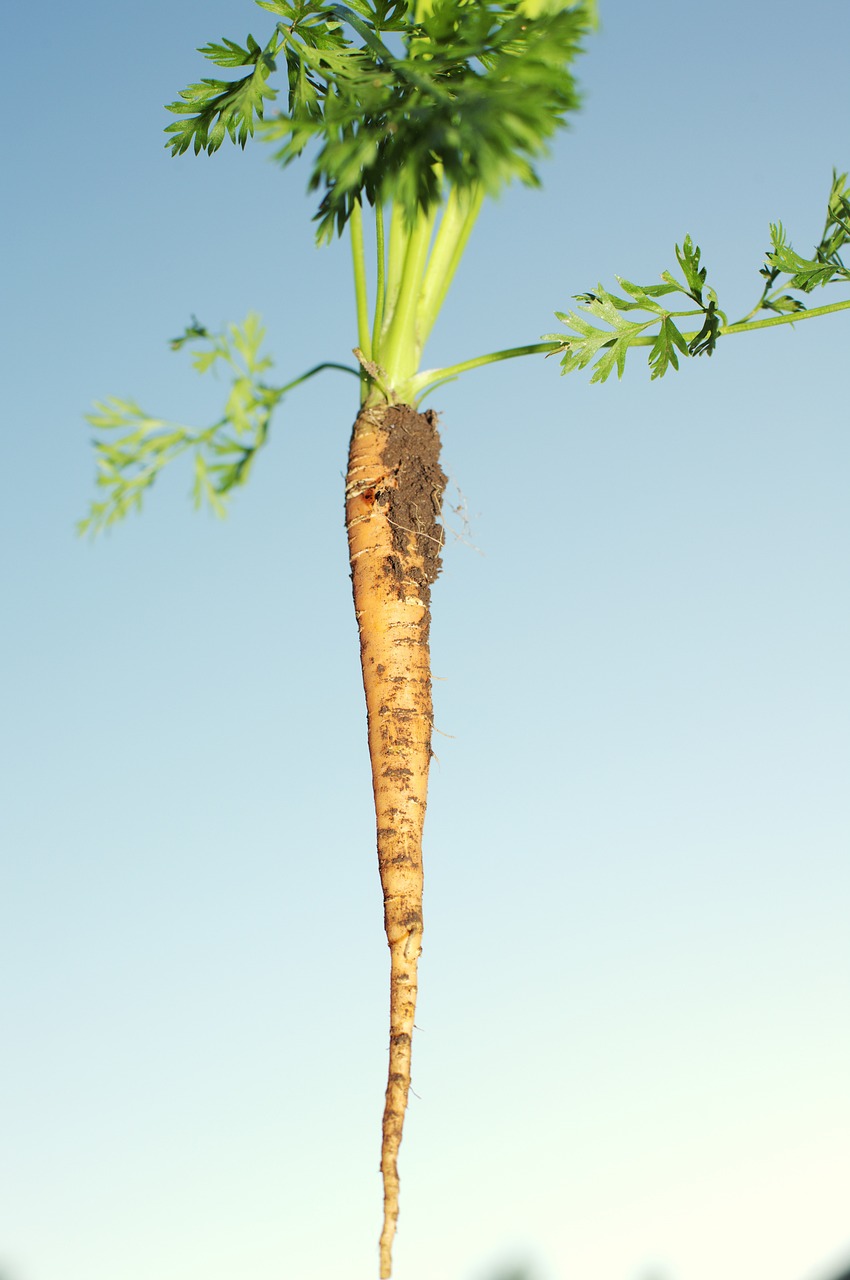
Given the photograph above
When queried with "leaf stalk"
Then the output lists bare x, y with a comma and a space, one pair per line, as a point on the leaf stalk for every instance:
426, 381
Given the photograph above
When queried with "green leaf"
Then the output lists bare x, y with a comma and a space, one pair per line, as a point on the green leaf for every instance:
287, 11
689, 260
663, 352
231, 54
115, 412
783, 304
826, 267
192, 331
203, 361
837, 229
706, 340
608, 347
217, 108
805, 273
643, 296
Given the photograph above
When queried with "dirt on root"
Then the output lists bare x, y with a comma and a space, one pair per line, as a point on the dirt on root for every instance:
412, 456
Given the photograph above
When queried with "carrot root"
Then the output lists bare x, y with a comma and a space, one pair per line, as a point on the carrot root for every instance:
394, 491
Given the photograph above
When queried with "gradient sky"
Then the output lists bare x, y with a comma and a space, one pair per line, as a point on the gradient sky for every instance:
634, 1044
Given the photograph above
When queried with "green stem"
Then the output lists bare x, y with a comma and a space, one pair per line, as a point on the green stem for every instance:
401, 347
380, 257
768, 289
396, 252
358, 256
317, 368
430, 378
450, 241
792, 317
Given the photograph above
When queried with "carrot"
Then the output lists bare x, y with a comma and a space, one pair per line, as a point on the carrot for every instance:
394, 490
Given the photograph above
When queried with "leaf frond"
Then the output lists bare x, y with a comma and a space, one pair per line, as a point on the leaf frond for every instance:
472, 98
129, 466
609, 347
585, 343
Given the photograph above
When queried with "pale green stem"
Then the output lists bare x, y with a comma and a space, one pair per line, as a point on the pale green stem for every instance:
396, 252
790, 318
430, 378
358, 256
757, 308
400, 350
450, 241
380, 256
317, 368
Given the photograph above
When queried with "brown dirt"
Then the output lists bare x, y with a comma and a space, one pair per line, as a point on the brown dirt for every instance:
412, 456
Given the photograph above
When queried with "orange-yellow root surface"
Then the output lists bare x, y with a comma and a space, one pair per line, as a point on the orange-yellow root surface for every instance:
394, 490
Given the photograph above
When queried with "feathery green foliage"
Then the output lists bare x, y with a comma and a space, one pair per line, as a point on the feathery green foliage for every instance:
419, 107
608, 347
221, 108
807, 274
469, 94
129, 463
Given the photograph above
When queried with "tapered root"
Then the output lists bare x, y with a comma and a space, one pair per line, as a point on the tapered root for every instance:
393, 496
403, 987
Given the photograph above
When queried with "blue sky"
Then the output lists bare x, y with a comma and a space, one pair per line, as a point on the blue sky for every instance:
634, 1049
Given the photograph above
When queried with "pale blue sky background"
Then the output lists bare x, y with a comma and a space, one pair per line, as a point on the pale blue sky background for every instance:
635, 1045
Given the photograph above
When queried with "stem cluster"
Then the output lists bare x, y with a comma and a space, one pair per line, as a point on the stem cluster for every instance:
415, 263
